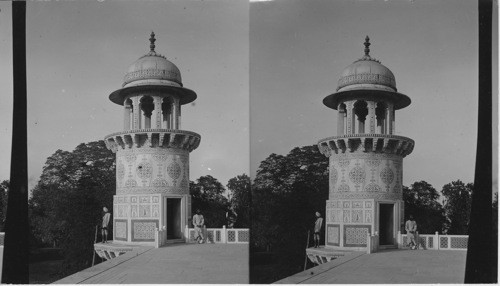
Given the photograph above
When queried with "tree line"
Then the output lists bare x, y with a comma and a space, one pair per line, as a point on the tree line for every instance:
66, 204
288, 190
278, 206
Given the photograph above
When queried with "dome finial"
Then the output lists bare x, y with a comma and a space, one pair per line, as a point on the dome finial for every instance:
152, 40
367, 46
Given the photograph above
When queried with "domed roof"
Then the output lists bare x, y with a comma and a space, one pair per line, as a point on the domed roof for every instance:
367, 78
367, 72
153, 72
152, 68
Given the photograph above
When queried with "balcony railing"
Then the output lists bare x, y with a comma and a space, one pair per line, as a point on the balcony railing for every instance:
220, 235
436, 241
168, 138
425, 241
385, 143
211, 235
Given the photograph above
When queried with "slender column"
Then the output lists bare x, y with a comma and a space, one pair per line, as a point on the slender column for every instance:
179, 116
350, 117
340, 120
393, 121
171, 116
131, 115
345, 122
137, 112
166, 114
371, 116
388, 117
126, 116
157, 111
174, 113
384, 121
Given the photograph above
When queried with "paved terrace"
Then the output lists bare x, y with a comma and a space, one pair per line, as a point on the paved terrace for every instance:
398, 266
177, 263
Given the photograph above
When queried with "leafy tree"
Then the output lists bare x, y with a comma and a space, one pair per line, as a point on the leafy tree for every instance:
286, 193
421, 201
4, 190
66, 204
240, 187
207, 195
457, 205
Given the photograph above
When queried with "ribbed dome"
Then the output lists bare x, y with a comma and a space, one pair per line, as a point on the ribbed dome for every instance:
153, 73
153, 68
367, 78
366, 71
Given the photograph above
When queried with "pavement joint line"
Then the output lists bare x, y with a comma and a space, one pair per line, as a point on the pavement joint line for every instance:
110, 268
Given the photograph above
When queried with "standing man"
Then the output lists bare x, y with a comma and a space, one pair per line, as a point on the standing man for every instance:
411, 230
317, 229
105, 222
198, 223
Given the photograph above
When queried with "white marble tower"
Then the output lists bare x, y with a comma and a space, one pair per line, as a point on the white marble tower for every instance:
152, 152
365, 158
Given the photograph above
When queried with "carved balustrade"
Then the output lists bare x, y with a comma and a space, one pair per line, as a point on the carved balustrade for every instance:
381, 143
167, 138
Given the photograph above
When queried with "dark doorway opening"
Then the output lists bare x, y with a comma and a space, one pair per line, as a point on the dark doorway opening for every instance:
174, 230
386, 223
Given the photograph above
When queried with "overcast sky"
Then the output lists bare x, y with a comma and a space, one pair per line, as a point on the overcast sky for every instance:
78, 53
298, 50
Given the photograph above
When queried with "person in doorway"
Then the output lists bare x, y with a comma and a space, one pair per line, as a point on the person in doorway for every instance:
105, 223
317, 229
411, 230
198, 223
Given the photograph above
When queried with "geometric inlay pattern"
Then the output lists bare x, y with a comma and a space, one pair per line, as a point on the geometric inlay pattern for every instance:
356, 236
344, 163
357, 175
158, 182
144, 230
144, 170
174, 170
368, 216
387, 176
372, 163
130, 183
347, 215
231, 236
156, 211
443, 242
244, 236
373, 188
357, 204
343, 188
458, 242
144, 211
120, 171
333, 175
357, 216
333, 231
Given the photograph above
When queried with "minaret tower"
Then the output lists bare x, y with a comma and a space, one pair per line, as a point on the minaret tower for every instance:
152, 152
365, 158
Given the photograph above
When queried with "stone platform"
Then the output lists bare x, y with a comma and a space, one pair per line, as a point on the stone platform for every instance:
391, 266
172, 264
